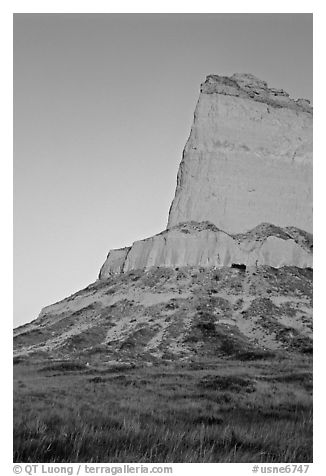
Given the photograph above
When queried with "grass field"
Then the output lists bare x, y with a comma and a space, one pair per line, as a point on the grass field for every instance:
212, 411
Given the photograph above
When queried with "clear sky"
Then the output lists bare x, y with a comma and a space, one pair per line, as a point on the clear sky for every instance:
103, 105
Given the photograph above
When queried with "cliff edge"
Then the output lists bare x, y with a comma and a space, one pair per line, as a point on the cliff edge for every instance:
248, 159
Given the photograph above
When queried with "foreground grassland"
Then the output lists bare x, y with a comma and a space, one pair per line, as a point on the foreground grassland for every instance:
212, 411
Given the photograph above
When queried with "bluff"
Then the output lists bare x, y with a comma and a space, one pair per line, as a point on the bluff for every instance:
244, 185
231, 276
248, 159
203, 244
194, 345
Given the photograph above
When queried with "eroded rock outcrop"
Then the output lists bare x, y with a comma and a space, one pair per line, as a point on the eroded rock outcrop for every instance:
247, 163
203, 244
206, 286
248, 159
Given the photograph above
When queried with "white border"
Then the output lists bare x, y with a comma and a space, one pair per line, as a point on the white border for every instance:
168, 6
102, 6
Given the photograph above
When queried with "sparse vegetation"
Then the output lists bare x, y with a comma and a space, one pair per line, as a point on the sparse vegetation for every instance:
170, 365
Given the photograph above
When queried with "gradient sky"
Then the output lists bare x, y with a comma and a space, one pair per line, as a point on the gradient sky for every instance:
103, 105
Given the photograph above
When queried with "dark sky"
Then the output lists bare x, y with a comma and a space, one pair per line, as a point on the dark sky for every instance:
103, 105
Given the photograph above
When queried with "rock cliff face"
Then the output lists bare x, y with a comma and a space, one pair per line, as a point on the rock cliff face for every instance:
248, 159
247, 163
203, 244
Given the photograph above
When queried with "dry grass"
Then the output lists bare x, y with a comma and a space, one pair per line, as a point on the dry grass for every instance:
221, 411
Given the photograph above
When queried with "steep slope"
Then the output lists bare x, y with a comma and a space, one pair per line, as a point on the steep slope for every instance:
184, 313
248, 159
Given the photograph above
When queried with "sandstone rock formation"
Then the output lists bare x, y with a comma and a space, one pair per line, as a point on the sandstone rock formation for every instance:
203, 244
231, 275
248, 159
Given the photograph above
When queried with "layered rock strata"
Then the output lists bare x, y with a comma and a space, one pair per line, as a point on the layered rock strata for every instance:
203, 244
247, 163
248, 159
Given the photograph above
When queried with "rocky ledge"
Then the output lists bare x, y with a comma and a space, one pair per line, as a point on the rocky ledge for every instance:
248, 86
203, 244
